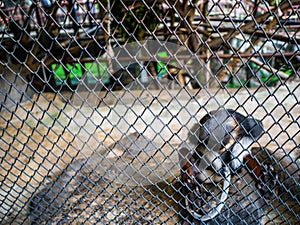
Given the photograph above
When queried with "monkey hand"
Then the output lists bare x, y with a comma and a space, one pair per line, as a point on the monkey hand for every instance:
267, 183
196, 199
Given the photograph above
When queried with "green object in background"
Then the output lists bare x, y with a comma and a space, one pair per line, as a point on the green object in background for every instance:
92, 72
265, 76
96, 70
92, 69
75, 73
59, 74
162, 67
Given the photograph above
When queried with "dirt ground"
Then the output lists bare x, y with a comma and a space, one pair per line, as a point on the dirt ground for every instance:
40, 138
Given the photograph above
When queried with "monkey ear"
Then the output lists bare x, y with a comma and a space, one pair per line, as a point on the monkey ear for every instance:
252, 127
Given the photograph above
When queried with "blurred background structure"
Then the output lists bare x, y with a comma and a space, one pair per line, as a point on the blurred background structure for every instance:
98, 97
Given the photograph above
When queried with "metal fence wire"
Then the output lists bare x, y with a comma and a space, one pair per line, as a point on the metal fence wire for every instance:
149, 112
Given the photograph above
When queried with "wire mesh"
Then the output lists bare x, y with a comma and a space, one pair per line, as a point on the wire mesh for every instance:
149, 112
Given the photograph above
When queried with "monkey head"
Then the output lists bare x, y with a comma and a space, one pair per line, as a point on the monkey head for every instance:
225, 136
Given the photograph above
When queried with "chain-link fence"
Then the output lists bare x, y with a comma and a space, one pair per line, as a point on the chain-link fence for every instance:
149, 112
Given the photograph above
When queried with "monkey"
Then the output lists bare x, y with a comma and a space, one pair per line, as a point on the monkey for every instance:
224, 141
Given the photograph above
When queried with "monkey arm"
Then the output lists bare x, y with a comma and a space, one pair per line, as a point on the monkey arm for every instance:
254, 167
264, 176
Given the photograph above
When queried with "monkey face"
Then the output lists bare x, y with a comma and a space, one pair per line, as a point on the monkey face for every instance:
229, 132
219, 127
